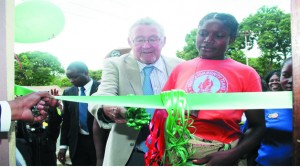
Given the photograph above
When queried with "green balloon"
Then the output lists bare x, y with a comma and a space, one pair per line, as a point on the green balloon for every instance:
37, 21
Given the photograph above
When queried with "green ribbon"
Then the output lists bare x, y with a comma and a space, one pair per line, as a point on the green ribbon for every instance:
177, 135
137, 117
204, 101
176, 103
21, 90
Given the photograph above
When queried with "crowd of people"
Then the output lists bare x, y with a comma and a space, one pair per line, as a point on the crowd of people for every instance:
97, 134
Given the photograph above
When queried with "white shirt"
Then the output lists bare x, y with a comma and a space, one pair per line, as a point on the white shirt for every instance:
87, 88
158, 76
5, 116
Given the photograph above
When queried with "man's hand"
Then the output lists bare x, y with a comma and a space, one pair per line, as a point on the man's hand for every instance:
61, 156
54, 102
21, 106
115, 113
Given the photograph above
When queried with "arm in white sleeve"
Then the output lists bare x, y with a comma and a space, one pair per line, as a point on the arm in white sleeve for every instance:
5, 116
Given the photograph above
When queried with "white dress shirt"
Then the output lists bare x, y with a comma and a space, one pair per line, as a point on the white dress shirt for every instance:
158, 76
5, 116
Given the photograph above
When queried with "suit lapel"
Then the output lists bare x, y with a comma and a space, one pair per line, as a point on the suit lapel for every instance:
132, 69
94, 87
74, 91
75, 106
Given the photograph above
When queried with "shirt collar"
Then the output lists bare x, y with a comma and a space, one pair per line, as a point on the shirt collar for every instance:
88, 86
159, 64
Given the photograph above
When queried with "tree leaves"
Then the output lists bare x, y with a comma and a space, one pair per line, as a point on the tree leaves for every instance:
38, 69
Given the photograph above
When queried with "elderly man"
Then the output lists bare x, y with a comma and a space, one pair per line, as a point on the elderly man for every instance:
128, 75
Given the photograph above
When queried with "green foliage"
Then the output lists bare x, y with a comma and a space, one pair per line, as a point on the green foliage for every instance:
62, 81
269, 27
38, 69
189, 51
235, 52
96, 75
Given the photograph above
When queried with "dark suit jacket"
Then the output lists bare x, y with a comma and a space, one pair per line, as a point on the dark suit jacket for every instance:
38, 147
70, 126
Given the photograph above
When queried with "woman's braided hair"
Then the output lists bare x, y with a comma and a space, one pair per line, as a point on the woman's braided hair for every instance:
227, 19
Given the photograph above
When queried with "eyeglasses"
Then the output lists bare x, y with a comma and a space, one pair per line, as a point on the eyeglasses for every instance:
151, 41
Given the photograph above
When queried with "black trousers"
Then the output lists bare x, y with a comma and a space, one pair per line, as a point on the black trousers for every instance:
39, 152
85, 154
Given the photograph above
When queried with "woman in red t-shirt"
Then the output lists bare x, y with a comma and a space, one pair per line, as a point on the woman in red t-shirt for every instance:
213, 72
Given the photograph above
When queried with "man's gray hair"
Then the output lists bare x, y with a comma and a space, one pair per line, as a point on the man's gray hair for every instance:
147, 21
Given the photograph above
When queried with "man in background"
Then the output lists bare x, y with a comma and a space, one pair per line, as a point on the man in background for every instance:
77, 126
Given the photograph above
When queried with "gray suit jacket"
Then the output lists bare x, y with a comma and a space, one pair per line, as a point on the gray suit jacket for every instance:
121, 76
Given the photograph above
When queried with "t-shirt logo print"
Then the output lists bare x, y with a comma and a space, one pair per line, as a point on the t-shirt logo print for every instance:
207, 81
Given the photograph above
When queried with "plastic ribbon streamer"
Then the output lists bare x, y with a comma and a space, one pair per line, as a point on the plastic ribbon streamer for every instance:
137, 117
21, 90
176, 134
204, 101
169, 135
156, 140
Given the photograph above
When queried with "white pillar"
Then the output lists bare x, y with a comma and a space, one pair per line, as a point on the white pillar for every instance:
7, 140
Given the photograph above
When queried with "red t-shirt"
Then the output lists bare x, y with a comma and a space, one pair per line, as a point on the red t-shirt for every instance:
215, 76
